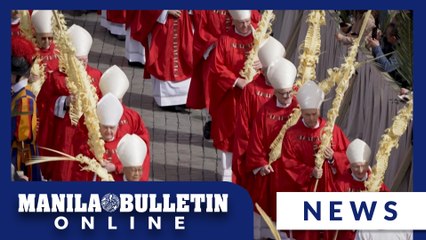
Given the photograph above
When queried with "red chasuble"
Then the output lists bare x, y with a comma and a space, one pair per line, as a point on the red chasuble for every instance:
116, 16
80, 147
62, 132
298, 160
141, 26
299, 147
255, 94
49, 58
15, 30
170, 51
228, 59
268, 123
209, 25
346, 183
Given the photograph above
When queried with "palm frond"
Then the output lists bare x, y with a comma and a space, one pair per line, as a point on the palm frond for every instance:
390, 15
269, 222
404, 49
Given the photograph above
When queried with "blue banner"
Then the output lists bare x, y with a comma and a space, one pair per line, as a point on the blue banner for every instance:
174, 210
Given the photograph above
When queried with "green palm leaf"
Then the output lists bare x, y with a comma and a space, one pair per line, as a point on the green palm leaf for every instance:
404, 49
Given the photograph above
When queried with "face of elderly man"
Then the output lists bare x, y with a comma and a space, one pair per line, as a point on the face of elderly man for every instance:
310, 117
44, 40
284, 95
359, 169
243, 26
133, 173
108, 132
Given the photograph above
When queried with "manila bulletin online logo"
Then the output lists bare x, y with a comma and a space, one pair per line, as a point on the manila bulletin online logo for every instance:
144, 207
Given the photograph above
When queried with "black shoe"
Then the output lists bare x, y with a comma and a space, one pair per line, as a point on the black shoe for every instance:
180, 108
135, 64
176, 108
206, 130
121, 37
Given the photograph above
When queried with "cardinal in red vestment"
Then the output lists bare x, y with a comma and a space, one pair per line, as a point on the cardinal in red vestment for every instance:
257, 174
301, 143
226, 86
59, 100
254, 95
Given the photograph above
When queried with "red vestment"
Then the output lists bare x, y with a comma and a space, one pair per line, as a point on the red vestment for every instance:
116, 16
209, 25
299, 148
15, 30
131, 17
49, 58
170, 50
228, 60
254, 96
268, 123
298, 161
81, 147
142, 27
62, 132
346, 183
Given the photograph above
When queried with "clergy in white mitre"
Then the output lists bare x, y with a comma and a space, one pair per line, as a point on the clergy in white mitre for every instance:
131, 151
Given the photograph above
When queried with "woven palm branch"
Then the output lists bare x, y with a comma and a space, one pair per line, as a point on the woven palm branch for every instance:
306, 71
25, 25
91, 164
66, 53
347, 71
311, 48
262, 32
38, 76
388, 142
269, 222
78, 83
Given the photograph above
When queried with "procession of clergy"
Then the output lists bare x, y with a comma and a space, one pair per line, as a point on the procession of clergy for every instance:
194, 58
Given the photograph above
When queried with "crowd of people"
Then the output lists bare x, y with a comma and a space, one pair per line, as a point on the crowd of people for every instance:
382, 37
194, 59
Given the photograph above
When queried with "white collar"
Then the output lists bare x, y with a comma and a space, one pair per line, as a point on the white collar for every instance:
19, 85
358, 179
316, 126
281, 105
124, 178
